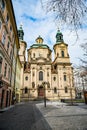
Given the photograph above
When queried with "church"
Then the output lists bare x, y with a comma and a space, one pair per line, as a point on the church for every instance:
40, 75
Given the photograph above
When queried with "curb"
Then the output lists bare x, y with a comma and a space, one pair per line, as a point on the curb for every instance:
5, 109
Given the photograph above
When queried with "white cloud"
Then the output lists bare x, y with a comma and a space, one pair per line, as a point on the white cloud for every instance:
36, 22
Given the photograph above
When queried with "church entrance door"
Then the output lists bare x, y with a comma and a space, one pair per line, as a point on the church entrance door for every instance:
41, 92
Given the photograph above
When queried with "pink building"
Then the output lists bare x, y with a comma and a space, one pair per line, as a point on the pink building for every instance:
8, 39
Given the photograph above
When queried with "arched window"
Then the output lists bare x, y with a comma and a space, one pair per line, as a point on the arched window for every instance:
26, 78
33, 55
54, 78
26, 90
40, 75
55, 90
66, 90
62, 53
64, 77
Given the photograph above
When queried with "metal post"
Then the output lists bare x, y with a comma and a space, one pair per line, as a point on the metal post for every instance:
44, 94
44, 97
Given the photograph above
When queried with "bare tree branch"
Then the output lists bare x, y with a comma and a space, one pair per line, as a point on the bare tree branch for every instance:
71, 12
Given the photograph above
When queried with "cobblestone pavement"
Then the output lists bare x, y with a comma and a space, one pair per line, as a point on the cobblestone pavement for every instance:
34, 116
23, 116
64, 117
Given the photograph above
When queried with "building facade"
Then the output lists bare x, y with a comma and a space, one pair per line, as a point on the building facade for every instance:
9, 45
42, 77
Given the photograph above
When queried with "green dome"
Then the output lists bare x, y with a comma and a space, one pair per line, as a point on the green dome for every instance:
39, 45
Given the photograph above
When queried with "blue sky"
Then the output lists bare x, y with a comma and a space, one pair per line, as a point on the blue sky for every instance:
36, 21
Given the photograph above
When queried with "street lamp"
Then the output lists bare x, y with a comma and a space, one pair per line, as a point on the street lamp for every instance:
44, 83
70, 87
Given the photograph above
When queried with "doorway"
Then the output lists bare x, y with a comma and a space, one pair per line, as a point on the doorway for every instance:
2, 98
41, 92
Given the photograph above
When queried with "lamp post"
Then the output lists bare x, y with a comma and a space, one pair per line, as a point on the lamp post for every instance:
70, 87
44, 83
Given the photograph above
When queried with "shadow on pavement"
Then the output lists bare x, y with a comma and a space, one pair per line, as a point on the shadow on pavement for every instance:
24, 116
40, 121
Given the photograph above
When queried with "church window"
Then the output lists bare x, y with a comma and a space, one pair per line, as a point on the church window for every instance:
62, 53
66, 90
33, 55
26, 78
48, 74
54, 78
40, 75
55, 90
64, 77
26, 90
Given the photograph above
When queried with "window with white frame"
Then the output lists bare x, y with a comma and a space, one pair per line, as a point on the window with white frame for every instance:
40, 75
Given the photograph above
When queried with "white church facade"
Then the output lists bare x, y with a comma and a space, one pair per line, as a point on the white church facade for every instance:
40, 75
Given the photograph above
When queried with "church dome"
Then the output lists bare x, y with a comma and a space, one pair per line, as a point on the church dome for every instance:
39, 40
39, 43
